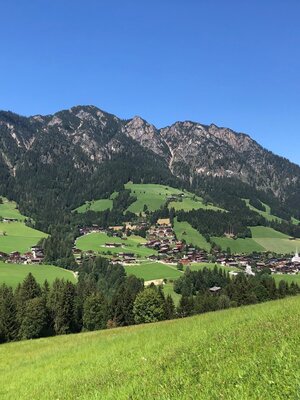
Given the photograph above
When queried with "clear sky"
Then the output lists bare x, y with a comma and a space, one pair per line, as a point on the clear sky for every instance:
235, 63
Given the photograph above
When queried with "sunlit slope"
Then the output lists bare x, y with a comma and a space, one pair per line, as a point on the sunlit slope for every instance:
245, 353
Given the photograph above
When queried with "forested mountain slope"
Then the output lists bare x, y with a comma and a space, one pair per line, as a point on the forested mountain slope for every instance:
50, 164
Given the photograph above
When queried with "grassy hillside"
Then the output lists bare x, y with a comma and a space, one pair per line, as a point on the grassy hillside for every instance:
16, 236
247, 245
266, 214
153, 270
97, 205
155, 196
96, 242
263, 239
12, 274
273, 240
246, 353
8, 209
184, 231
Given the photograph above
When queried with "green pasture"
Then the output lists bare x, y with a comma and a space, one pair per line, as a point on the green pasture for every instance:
192, 203
153, 270
95, 205
275, 241
184, 231
8, 209
247, 245
266, 214
16, 236
286, 277
155, 196
247, 353
13, 274
96, 242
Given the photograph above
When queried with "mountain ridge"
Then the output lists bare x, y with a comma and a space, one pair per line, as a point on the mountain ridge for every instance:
84, 142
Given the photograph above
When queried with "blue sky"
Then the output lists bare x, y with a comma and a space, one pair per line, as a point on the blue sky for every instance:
233, 63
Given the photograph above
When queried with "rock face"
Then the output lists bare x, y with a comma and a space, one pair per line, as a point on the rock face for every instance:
85, 137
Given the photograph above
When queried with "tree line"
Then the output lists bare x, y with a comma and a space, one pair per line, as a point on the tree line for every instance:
105, 297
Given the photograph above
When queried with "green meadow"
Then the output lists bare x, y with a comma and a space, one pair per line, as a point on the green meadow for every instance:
275, 241
247, 353
288, 278
155, 196
184, 231
263, 239
8, 209
247, 245
153, 270
96, 242
16, 236
267, 214
192, 203
95, 205
13, 274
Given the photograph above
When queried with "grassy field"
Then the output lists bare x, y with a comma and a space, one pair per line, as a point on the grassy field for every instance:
12, 274
247, 245
273, 240
184, 231
153, 270
96, 242
95, 205
155, 196
192, 203
16, 236
9, 210
248, 353
263, 239
266, 214
288, 278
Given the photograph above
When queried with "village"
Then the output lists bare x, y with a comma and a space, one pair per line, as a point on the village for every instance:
167, 249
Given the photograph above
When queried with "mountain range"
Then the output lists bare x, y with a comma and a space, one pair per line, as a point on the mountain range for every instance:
78, 154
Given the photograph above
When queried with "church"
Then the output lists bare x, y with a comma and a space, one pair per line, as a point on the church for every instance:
296, 258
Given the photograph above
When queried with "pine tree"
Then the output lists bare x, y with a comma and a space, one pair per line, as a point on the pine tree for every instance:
95, 312
34, 321
8, 315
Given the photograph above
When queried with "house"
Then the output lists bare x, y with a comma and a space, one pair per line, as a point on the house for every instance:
215, 289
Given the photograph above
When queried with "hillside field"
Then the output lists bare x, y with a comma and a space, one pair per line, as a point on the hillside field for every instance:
155, 196
96, 242
263, 239
13, 274
184, 231
153, 270
97, 205
16, 236
8, 209
273, 240
246, 353
267, 214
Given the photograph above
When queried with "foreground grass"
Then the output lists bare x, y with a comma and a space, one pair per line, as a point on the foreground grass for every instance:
237, 354
13, 274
